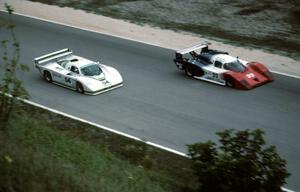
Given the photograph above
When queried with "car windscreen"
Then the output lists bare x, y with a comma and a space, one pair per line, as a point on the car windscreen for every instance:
236, 66
91, 70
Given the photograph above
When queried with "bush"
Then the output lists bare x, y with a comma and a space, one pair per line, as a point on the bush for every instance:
11, 87
240, 163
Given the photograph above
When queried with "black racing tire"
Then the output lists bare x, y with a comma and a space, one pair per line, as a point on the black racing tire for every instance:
188, 72
230, 82
47, 76
200, 73
79, 88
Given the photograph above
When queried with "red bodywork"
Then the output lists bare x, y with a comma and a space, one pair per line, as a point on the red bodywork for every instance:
256, 74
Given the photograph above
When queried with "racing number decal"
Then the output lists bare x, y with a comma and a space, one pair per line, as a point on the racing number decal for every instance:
250, 75
68, 80
211, 75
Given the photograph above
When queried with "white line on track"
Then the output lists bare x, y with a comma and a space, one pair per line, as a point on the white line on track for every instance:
286, 190
121, 37
102, 126
105, 128
285, 74
115, 131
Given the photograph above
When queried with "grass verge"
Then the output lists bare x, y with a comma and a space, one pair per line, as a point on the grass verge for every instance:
43, 151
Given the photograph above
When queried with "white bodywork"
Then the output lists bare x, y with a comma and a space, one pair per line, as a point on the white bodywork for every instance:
216, 74
62, 67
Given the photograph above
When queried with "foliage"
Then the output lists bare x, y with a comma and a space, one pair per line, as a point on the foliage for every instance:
10, 85
241, 163
38, 157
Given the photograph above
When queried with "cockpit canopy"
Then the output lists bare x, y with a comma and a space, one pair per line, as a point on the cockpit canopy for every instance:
91, 70
236, 66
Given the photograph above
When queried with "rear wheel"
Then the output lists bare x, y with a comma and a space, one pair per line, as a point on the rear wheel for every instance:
79, 87
188, 71
230, 82
48, 76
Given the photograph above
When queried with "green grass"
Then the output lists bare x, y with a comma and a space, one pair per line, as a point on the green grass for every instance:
42, 151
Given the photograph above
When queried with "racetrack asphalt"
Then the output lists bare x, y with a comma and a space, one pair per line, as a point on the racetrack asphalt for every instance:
157, 102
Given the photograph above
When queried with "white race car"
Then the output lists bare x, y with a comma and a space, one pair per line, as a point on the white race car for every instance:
77, 73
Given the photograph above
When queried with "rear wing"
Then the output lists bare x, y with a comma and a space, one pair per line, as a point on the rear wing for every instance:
193, 48
53, 56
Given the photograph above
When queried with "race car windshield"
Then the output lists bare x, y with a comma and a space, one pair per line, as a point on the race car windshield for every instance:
91, 70
236, 66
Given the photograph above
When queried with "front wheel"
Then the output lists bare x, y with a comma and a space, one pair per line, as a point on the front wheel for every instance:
79, 87
230, 82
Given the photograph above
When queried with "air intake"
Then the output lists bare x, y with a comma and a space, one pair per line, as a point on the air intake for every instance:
74, 60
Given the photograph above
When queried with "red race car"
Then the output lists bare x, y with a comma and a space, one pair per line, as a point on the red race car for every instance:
218, 67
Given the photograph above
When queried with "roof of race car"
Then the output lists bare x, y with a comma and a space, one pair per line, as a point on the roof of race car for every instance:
75, 60
225, 58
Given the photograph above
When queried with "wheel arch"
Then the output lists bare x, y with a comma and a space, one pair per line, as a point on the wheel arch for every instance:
80, 87
49, 78
230, 80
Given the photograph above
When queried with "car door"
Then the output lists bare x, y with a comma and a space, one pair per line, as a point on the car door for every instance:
70, 77
57, 75
215, 71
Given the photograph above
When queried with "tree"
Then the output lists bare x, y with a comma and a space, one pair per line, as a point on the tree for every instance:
240, 163
11, 87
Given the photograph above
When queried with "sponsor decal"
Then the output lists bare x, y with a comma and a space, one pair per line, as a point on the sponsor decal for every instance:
105, 82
